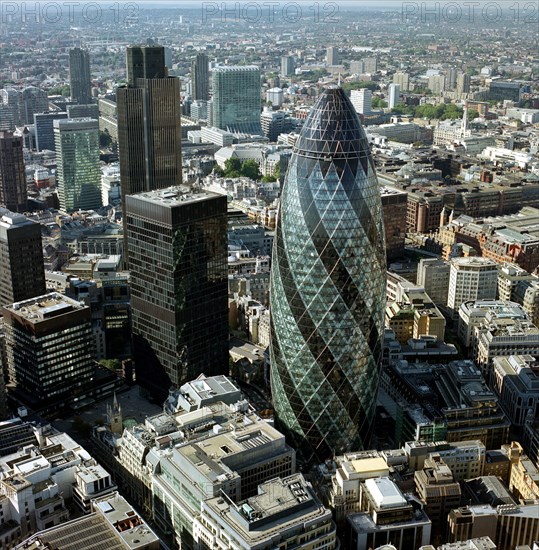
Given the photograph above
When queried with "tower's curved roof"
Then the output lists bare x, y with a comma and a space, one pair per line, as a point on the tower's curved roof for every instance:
333, 129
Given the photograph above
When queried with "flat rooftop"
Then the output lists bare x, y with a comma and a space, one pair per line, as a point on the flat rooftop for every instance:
385, 493
42, 308
176, 196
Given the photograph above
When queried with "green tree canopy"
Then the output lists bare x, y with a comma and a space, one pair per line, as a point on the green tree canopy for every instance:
378, 103
369, 84
60, 90
104, 139
251, 170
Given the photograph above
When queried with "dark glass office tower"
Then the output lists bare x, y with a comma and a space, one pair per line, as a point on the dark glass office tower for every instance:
80, 81
328, 286
177, 242
200, 76
13, 191
149, 125
149, 133
22, 274
145, 62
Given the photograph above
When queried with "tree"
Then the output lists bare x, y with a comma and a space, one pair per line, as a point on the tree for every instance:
232, 165
104, 139
111, 364
378, 103
250, 169
369, 84
472, 114
60, 90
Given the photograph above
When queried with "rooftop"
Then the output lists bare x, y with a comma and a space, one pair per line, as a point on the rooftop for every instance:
280, 504
176, 196
385, 493
42, 308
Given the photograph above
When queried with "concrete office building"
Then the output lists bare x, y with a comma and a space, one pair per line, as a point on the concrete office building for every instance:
394, 93
287, 65
79, 76
22, 274
438, 489
508, 525
402, 80
502, 337
475, 314
112, 523
32, 100
236, 98
332, 56
179, 272
50, 351
471, 279
443, 402
389, 518
111, 190
78, 165
108, 118
13, 192
90, 110
516, 380
285, 509
273, 123
44, 126
465, 459
217, 448
200, 78
362, 101
433, 276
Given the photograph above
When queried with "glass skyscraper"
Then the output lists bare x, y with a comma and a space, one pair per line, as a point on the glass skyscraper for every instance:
328, 286
77, 157
177, 240
236, 98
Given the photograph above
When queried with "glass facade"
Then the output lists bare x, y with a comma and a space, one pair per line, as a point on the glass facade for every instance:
179, 286
50, 353
79, 170
236, 99
328, 286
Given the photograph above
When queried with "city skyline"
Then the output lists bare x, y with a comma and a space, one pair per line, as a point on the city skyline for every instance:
276, 267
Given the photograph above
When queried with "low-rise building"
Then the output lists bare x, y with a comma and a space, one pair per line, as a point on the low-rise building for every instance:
503, 337
435, 402
433, 276
438, 489
285, 510
112, 524
515, 379
508, 525
476, 313
388, 517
